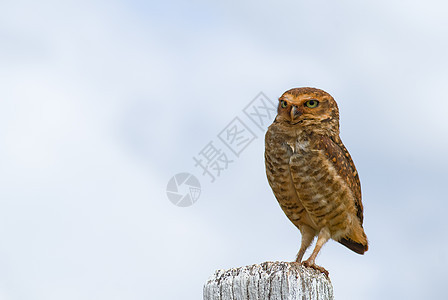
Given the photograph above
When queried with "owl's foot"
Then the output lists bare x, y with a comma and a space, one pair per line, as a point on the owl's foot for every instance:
312, 265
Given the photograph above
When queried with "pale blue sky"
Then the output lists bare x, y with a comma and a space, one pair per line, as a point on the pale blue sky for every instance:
103, 101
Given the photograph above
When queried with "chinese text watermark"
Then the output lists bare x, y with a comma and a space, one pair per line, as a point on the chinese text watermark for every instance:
217, 155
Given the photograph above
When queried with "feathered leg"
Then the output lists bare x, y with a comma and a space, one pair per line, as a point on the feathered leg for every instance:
307, 237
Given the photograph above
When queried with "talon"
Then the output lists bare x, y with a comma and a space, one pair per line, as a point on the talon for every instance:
307, 264
312, 265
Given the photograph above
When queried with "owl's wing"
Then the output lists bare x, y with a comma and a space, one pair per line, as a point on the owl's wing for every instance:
336, 152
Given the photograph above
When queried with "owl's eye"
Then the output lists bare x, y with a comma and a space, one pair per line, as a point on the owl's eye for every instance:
311, 103
283, 103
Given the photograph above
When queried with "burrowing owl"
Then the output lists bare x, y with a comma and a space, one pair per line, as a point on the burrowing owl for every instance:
312, 174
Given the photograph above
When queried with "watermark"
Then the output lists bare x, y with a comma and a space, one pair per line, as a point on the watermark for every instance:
237, 136
183, 189
219, 154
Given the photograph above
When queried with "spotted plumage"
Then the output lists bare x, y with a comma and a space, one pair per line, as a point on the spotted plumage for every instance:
312, 174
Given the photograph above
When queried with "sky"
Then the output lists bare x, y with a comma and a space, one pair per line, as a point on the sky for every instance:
103, 102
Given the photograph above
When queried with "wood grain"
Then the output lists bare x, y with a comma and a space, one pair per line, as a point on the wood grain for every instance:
268, 281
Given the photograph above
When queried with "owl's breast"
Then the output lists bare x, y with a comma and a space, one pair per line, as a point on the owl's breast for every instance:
305, 183
279, 148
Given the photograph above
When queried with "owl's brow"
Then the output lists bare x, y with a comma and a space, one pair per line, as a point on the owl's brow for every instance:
284, 98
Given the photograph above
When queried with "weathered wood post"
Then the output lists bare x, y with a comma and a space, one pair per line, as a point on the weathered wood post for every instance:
268, 281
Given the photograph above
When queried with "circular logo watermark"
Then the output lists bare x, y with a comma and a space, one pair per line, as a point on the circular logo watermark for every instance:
183, 189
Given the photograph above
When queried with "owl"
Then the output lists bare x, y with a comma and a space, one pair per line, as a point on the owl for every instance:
312, 174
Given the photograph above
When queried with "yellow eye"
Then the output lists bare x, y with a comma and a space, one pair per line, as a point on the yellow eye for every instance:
283, 103
311, 103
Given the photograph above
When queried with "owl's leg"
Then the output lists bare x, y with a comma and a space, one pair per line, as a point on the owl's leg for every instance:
322, 238
307, 237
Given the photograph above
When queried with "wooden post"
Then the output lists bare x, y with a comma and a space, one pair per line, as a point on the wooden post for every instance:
269, 281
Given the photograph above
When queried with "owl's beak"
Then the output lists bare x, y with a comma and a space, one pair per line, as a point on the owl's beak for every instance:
295, 113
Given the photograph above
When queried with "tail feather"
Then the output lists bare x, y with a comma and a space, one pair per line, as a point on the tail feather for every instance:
354, 246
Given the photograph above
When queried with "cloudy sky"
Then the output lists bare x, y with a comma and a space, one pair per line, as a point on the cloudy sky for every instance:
102, 102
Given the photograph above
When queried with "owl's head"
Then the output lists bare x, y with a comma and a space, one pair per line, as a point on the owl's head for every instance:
308, 107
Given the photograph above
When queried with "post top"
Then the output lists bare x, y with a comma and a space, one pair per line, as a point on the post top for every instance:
268, 280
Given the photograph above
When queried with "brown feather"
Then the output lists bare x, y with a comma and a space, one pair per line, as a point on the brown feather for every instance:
343, 163
356, 247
